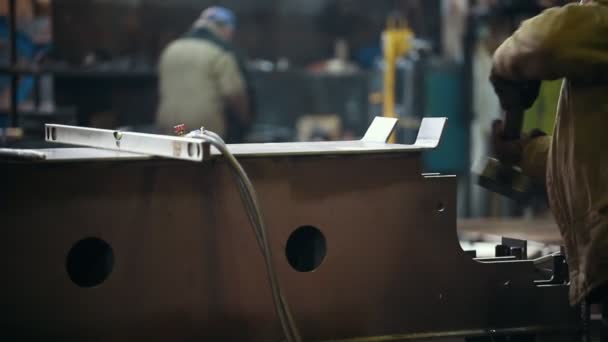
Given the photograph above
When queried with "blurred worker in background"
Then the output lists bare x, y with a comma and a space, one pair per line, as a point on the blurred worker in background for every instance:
569, 42
202, 80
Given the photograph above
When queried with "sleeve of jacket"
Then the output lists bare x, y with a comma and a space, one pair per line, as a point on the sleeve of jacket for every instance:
569, 41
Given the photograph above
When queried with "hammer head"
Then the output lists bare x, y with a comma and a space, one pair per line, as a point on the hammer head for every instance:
507, 180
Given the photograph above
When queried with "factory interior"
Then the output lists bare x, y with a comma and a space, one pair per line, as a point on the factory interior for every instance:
304, 170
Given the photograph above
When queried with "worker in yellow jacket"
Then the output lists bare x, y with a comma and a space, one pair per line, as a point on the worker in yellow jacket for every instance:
569, 42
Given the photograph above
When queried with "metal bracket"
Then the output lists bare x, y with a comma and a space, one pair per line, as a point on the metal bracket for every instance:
380, 129
194, 149
153, 144
429, 134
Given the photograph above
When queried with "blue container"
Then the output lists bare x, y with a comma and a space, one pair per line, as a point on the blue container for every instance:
444, 98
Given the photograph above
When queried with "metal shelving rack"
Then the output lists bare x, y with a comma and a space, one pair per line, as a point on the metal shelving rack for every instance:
17, 123
14, 110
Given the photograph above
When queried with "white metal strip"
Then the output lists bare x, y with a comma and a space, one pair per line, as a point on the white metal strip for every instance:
151, 144
380, 129
429, 134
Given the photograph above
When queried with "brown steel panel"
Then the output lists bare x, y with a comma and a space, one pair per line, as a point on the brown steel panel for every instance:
187, 266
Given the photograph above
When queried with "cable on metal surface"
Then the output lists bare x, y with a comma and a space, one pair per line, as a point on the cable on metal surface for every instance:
250, 201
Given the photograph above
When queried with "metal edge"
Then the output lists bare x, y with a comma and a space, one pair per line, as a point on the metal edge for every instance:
545, 330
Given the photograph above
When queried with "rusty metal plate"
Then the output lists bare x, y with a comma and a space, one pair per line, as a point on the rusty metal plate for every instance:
184, 264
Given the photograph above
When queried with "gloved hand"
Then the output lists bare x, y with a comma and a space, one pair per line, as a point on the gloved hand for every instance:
515, 95
510, 151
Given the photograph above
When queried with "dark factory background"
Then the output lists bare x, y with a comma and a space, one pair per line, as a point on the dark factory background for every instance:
316, 71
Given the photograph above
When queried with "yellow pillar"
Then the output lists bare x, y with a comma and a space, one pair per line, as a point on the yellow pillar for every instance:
397, 42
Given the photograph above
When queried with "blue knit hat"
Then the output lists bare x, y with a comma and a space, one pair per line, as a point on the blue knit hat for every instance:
220, 15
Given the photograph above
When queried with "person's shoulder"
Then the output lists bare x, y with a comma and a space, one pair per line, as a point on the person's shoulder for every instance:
576, 12
566, 20
172, 46
561, 11
195, 47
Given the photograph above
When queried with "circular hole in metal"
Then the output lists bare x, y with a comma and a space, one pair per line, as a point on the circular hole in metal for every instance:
90, 262
191, 149
440, 207
117, 135
53, 134
306, 248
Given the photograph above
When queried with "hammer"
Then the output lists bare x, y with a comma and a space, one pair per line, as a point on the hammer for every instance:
507, 179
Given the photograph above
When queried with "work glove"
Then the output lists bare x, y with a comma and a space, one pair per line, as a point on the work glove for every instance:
515, 95
510, 151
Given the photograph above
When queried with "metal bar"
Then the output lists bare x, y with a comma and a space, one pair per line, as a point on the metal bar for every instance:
67, 71
569, 331
151, 144
14, 115
496, 259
